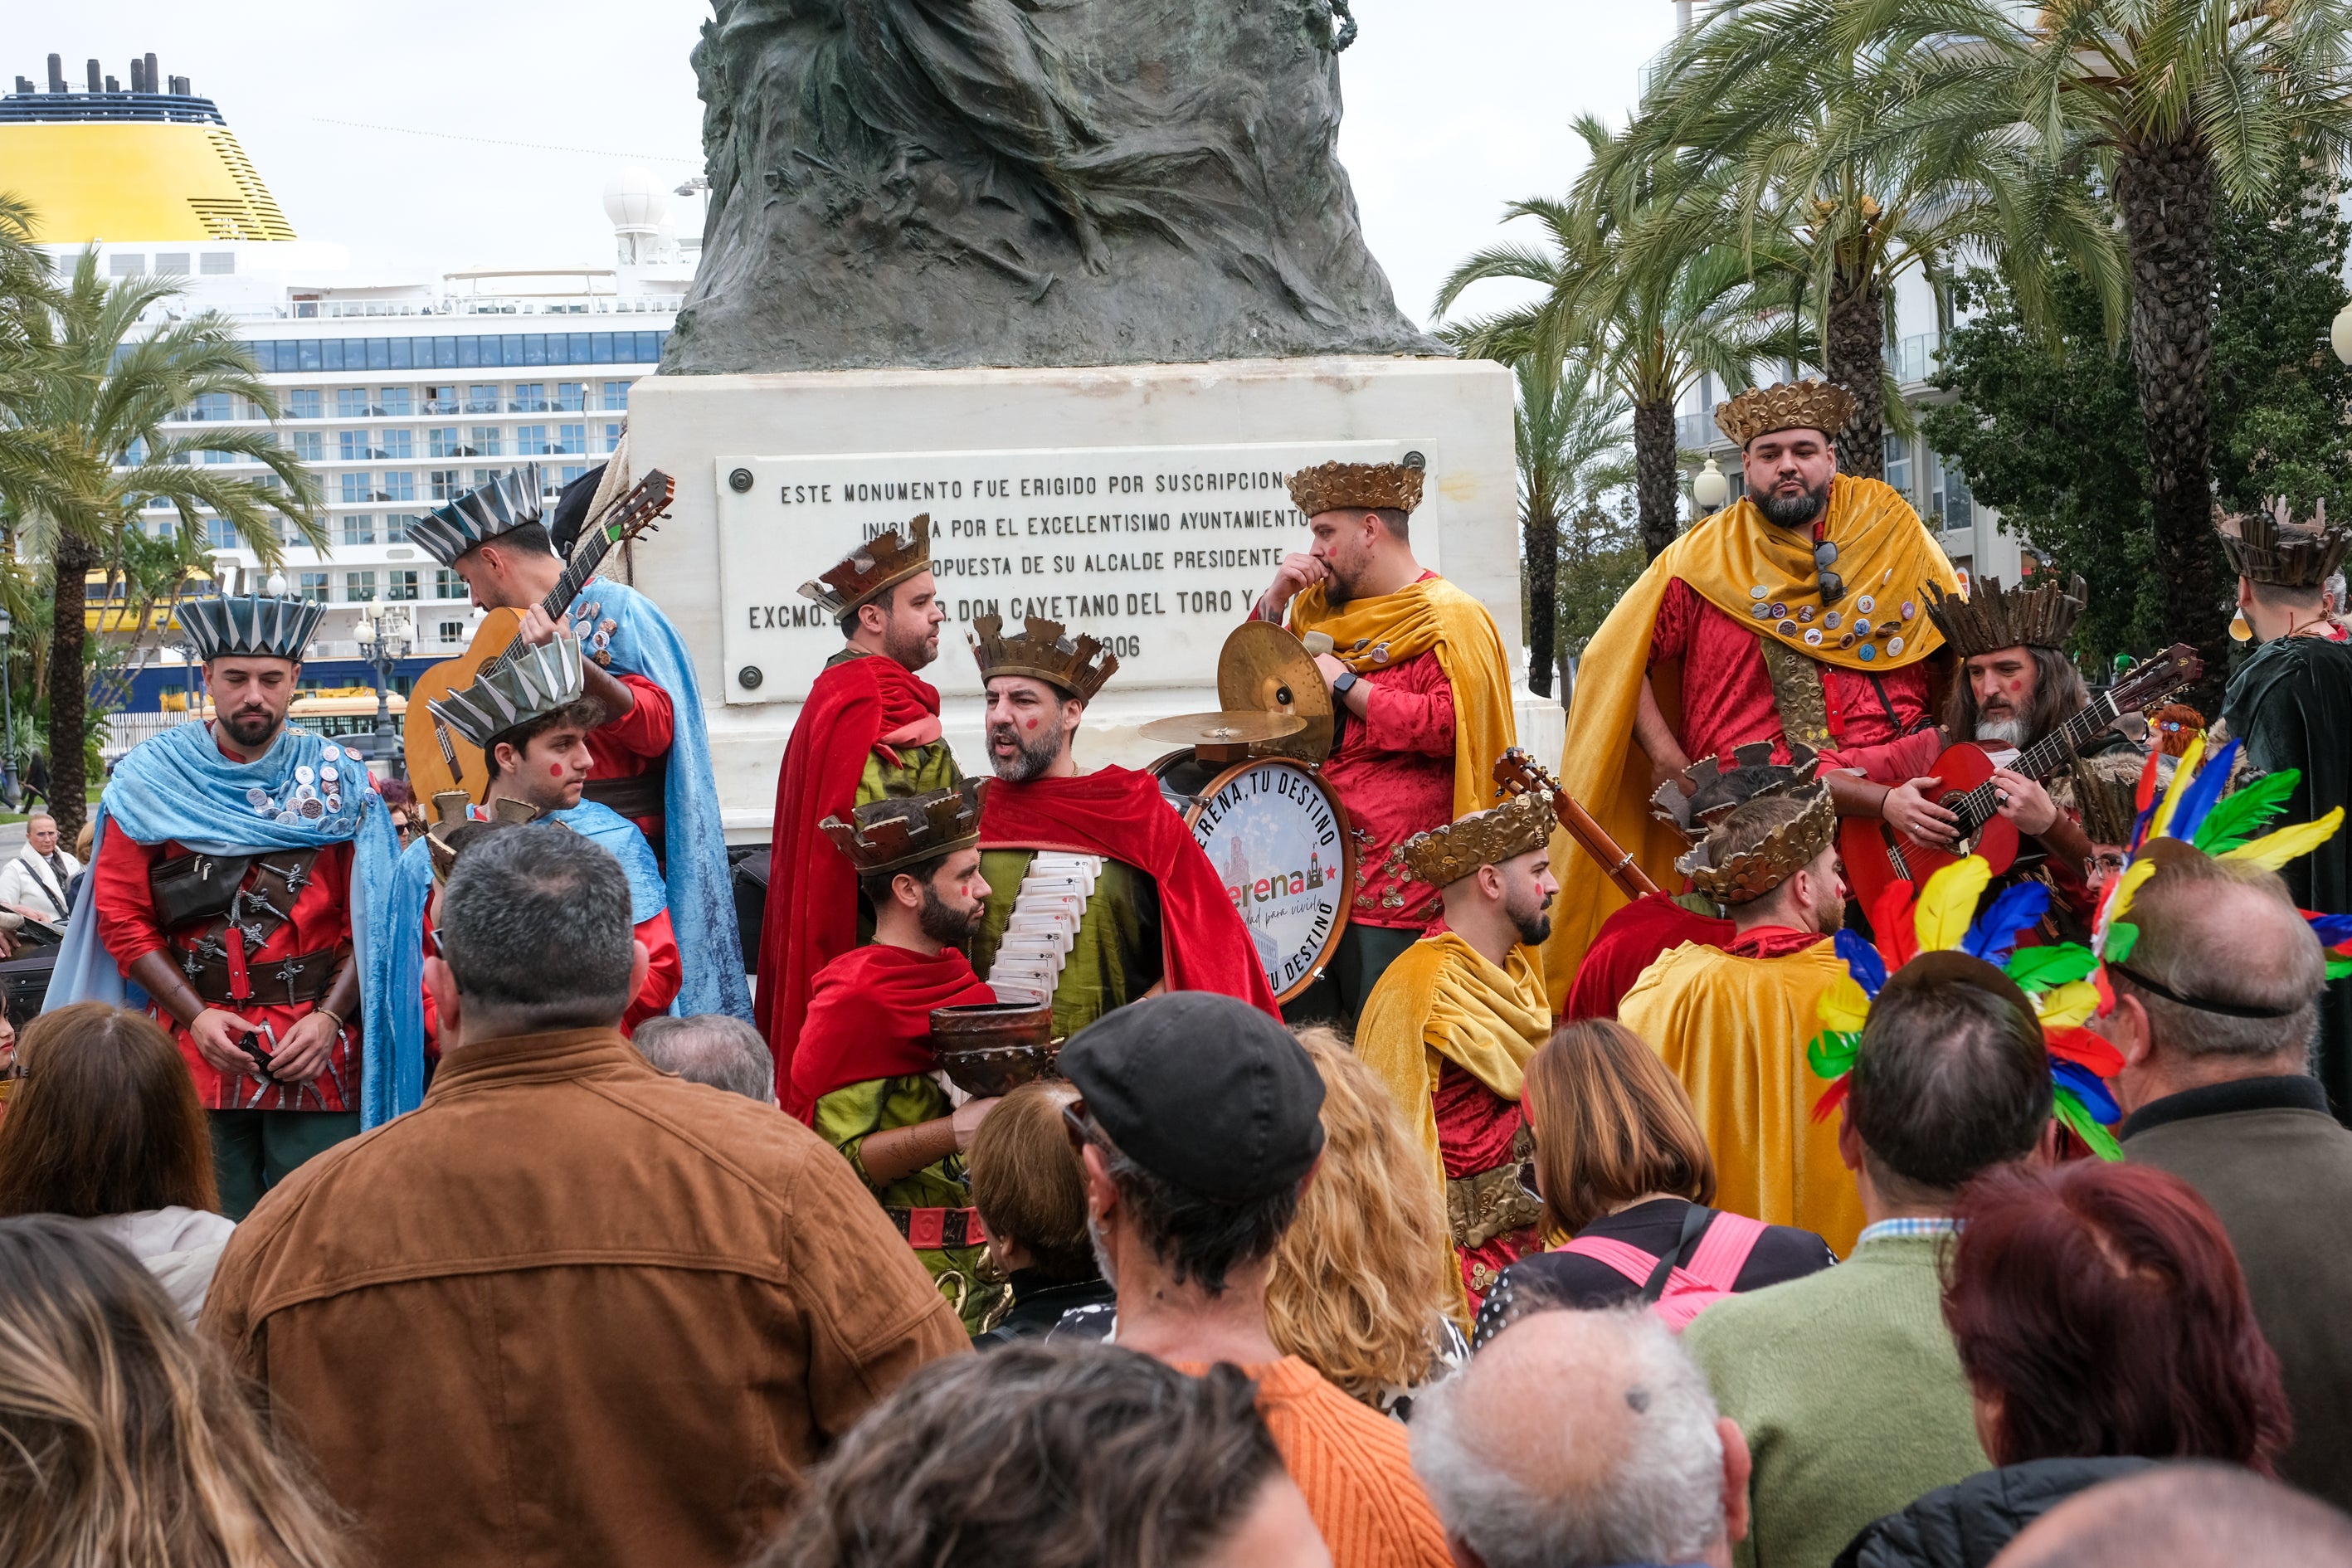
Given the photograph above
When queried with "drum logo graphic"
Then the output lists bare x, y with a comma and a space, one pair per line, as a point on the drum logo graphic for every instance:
1277, 844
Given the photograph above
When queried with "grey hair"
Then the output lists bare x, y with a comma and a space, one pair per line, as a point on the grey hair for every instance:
536, 921
1661, 1500
2193, 944
716, 1048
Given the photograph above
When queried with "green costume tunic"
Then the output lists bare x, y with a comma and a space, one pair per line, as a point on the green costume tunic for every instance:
1117, 957
2291, 703
848, 1115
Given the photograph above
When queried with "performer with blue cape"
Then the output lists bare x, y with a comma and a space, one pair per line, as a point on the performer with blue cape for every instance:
531, 721
640, 672
236, 886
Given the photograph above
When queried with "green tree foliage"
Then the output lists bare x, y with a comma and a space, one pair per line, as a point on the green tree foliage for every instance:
1568, 431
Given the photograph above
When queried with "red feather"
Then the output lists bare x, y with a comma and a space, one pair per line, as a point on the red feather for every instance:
1833, 1097
1891, 919
2145, 795
2081, 1046
2105, 988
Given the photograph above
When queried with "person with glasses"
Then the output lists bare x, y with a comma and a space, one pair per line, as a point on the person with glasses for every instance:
1796, 615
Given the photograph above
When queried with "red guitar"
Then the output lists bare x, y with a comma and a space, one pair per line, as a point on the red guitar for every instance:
1876, 853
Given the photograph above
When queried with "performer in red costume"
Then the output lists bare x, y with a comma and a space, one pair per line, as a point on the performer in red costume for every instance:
869, 731
1098, 894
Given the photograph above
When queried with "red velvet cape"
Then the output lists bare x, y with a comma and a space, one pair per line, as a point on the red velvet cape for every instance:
869, 1016
812, 914
1628, 941
1121, 814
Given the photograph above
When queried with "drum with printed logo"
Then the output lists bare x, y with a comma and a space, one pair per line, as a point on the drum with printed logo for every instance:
1279, 840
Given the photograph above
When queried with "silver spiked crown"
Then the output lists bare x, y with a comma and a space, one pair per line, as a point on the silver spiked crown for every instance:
508, 503
252, 624
531, 686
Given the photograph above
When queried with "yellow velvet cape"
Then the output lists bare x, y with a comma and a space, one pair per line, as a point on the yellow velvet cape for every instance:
1883, 550
1734, 1031
1432, 614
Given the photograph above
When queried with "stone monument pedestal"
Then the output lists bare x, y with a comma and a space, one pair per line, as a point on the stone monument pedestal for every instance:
1141, 504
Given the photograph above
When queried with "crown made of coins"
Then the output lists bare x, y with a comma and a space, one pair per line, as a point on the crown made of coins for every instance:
899, 830
452, 811
1520, 826
1042, 650
1806, 404
483, 514
2271, 545
529, 684
1717, 791
873, 568
255, 624
1358, 487
1788, 850
1992, 617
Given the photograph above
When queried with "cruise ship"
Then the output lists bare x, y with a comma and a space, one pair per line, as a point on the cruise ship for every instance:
399, 390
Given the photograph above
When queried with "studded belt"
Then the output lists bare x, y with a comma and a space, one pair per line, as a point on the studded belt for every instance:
271, 982
932, 1230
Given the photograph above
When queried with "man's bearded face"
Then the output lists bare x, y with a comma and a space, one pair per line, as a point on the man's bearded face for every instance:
1025, 733
2003, 684
1789, 474
1826, 894
951, 908
911, 626
1528, 888
1342, 545
250, 696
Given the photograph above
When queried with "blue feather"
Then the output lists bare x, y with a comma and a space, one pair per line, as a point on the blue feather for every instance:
2331, 930
1994, 936
2203, 792
2089, 1086
1861, 961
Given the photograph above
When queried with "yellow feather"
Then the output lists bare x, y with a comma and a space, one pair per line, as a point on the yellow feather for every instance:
1843, 1008
1948, 902
2183, 772
2063, 1006
2134, 874
2272, 850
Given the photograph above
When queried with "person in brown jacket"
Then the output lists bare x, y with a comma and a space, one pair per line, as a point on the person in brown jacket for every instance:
571, 1310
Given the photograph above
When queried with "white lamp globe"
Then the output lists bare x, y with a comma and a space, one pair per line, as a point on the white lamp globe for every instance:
1710, 487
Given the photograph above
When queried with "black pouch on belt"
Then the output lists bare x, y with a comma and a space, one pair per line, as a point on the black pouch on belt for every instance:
195, 887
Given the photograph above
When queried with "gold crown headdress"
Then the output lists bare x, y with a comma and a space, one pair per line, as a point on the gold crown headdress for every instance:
1992, 617
1044, 651
1717, 791
2270, 545
873, 568
1789, 849
450, 812
899, 830
1520, 826
1363, 487
1807, 405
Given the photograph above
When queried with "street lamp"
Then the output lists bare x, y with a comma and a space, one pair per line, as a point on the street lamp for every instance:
1710, 487
2339, 334
384, 642
8, 790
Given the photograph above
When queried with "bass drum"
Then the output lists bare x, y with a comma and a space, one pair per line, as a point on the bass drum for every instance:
1280, 842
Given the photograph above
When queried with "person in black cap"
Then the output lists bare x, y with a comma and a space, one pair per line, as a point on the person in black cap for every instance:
1199, 1125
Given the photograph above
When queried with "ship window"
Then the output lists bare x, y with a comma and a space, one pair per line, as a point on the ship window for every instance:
304, 403
126, 265
172, 263
219, 263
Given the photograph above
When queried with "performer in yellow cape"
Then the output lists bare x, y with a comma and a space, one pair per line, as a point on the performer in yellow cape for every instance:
1452, 1023
1795, 614
1732, 1021
1423, 691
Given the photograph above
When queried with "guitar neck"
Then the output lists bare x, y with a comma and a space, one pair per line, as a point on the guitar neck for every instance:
576, 573
2041, 759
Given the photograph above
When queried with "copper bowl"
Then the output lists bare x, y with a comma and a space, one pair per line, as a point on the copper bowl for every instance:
992, 1049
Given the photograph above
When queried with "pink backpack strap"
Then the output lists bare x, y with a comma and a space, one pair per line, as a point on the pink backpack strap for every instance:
1723, 1251
1626, 1258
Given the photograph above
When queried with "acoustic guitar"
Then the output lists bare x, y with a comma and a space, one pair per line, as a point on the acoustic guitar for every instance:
1517, 773
1876, 853
439, 759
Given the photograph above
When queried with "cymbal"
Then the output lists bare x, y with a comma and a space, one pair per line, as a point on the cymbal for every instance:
1224, 729
1262, 668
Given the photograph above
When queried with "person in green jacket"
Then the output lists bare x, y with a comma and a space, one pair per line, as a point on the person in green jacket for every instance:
1846, 1382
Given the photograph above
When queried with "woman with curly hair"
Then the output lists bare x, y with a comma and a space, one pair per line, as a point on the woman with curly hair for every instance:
124, 1442
1361, 1288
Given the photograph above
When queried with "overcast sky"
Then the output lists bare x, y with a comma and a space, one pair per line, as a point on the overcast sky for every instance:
1453, 107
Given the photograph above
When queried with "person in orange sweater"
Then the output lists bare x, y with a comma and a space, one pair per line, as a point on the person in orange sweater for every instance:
1199, 1125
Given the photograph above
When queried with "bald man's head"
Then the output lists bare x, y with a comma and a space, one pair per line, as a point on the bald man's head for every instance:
1581, 1440
2185, 1516
2225, 932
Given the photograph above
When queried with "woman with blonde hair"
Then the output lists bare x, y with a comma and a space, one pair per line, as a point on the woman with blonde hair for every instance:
123, 1441
1622, 1166
1363, 1283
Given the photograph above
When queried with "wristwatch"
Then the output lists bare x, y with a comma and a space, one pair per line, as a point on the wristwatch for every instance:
1344, 679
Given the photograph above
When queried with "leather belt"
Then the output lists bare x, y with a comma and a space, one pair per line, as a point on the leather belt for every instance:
274, 982
932, 1230
639, 794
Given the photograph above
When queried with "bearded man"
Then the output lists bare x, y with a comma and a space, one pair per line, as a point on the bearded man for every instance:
230, 858
1097, 894
1792, 616
534, 725
869, 731
1421, 687
866, 1076
652, 752
1452, 1023
1732, 1022
2291, 703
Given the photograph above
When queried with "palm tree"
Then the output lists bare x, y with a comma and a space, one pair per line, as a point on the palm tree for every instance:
101, 388
1564, 427
1648, 330
1853, 141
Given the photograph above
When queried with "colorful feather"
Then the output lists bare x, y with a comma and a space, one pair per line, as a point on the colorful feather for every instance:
2184, 773
1861, 960
2144, 796
2239, 816
2272, 850
2199, 802
2080, 1046
2333, 930
2065, 1006
1844, 1008
1994, 936
2337, 968
2119, 896
1831, 1097
2087, 1088
1891, 918
2039, 968
2122, 937
1831, 1052
1941, 919
2080, 1121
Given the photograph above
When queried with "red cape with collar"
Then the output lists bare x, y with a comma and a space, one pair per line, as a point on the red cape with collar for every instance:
1121, 814
812, 912
869, 1016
